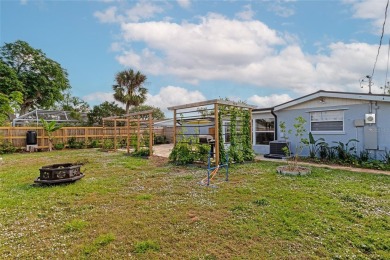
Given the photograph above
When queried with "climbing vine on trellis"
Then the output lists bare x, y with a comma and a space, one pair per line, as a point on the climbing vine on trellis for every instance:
240, 148
247, 150
222, 152
235, 149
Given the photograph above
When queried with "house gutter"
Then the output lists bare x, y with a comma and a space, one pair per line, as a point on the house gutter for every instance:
276, 123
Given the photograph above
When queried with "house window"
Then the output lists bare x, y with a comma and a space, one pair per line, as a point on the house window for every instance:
226, 130
264, 130
327, 121
226, 126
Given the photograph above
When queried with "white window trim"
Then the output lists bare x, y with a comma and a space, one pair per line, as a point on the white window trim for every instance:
254, 132
327, 132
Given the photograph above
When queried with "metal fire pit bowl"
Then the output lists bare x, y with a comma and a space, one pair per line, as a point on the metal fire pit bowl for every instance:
59, 173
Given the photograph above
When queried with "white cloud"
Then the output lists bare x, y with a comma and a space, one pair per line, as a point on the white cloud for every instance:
247, 14
173, 96
142, 10
108, 16
370, 9
167, 96
99, 97
184, 3
281, 10
240, 50
249, 52
269, 101
23, 2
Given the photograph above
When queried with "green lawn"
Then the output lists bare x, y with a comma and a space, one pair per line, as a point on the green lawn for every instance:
135, 208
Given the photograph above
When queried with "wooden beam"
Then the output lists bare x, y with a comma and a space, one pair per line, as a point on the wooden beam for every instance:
150, 133
114, 134
251, 125
216, 154
211, 102
174, 127
138, 132
128, 136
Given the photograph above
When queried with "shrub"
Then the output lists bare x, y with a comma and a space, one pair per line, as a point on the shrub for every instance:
59, 146
108, 144
160, 139
7, 147
94, 143
74, 144
141, 152
181, 154
203, 152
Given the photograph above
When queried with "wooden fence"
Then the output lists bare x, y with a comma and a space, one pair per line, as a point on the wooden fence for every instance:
17, 135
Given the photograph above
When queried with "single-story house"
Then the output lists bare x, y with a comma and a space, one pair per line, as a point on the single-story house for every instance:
334, 116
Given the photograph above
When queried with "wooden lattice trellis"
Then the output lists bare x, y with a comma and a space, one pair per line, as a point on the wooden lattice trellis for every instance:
136, 126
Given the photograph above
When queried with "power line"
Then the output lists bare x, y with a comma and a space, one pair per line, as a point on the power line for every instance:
380, 42
387, 70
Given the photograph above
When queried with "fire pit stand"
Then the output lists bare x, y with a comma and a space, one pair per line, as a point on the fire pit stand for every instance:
59, 173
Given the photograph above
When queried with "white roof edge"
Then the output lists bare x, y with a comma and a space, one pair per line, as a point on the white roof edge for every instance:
321, 93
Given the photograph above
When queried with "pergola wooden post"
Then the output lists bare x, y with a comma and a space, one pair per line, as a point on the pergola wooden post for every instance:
216, 134
128, 135
251, 124
150, 134
115, 134
174, 127
138, 132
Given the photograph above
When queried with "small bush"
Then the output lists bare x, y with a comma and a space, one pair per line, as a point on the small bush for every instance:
94, 144
160, 139
59, 146
182, 154
7, 147
74, 144
203, 152
108, 144
141, 152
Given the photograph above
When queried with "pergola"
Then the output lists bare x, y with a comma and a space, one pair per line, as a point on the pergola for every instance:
135, 123
202, 110
48, 115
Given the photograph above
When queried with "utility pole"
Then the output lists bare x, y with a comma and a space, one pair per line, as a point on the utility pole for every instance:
369, 83
386, 88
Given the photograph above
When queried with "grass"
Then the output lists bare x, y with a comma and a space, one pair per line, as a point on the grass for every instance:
126, 207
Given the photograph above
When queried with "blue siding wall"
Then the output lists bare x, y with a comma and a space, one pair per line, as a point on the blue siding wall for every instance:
351, 113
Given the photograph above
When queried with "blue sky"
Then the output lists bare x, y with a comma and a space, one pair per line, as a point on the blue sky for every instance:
263, 52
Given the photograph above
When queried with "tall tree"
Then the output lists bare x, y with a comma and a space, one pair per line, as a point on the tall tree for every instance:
8, 105
43, 79
157, 113
130, 89
106, 109
75, 105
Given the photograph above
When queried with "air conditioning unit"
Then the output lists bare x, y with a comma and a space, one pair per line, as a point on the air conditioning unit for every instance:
276, 147
370, 118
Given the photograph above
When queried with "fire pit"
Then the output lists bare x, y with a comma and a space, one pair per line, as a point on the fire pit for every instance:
59, 173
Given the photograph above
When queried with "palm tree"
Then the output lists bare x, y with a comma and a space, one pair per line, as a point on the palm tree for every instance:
50, 127
129, 89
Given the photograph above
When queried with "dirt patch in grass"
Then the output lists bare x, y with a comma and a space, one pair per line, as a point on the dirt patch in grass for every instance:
158, 160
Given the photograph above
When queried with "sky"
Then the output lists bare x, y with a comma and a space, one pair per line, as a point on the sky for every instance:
262, 52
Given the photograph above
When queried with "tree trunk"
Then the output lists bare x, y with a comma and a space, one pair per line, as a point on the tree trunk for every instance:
127, 108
